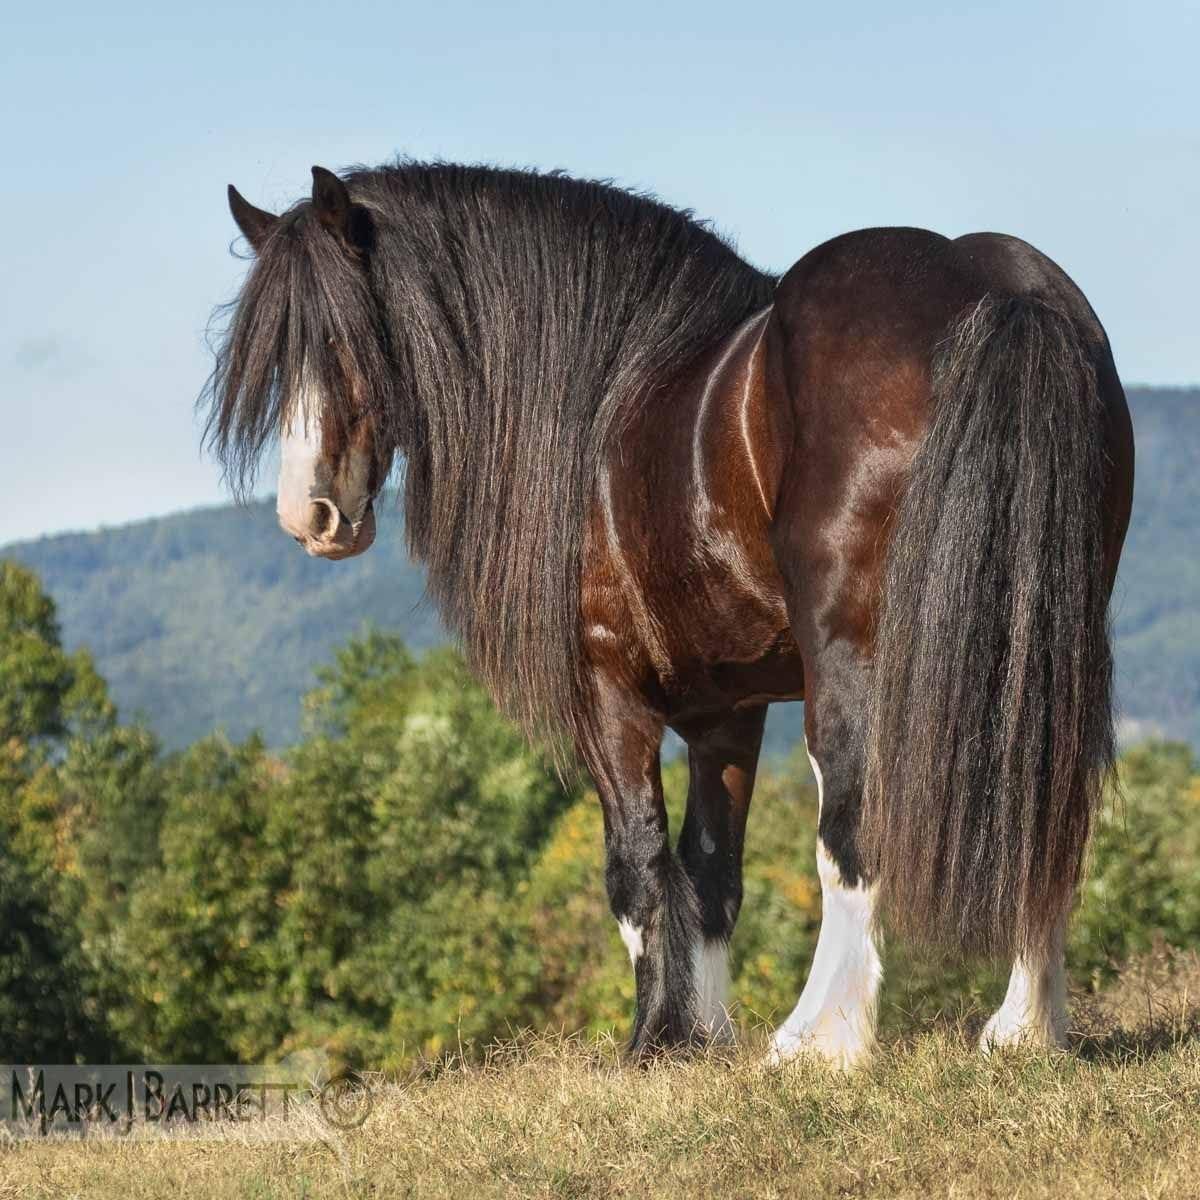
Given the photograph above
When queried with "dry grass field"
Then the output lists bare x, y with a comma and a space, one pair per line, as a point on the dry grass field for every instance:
1117, 1116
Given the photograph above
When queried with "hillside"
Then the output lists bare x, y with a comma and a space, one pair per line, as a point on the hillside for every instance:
213, 618
1156, 609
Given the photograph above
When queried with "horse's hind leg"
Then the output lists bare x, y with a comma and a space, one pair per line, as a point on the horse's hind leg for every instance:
834, 1018
1034, 1011
722, 760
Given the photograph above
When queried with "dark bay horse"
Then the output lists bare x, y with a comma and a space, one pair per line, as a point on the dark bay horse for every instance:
656, 487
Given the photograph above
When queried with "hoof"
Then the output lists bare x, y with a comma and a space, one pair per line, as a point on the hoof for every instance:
840, 1051
1003, 1033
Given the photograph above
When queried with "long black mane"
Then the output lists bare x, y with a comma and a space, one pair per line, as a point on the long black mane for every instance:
500, 326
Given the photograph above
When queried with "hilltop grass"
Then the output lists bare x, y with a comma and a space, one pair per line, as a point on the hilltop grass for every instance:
1116, 1116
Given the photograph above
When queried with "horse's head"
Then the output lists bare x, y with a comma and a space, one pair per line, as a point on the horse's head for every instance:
304, 360
327, 483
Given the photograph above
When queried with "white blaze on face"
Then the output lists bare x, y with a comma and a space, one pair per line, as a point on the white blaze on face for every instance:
325, 506
303, 477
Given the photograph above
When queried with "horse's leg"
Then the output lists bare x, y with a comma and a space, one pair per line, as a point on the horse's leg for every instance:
651, 894
1034, 1011
834, 1018
722, 760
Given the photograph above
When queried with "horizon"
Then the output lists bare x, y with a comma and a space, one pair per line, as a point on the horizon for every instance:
1071, 125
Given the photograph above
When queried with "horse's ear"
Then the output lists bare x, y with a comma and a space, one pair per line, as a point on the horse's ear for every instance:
331, 201
253, 222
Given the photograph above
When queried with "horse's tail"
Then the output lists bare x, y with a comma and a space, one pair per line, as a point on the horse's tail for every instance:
991, 720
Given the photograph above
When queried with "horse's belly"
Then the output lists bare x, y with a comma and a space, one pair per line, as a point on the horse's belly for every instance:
747, 657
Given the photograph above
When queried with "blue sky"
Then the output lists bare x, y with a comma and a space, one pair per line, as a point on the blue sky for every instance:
1074, 125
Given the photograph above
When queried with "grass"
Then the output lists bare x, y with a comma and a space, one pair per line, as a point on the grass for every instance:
1116, 1116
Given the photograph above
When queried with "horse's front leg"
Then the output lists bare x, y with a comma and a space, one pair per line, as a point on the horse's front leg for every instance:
722, 761
652, 897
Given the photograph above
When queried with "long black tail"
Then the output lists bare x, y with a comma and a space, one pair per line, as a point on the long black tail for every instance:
991, 719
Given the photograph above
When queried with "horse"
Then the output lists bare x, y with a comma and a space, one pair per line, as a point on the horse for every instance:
655, 487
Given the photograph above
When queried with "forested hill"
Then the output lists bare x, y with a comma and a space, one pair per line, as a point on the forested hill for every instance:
1156, 609
214, 618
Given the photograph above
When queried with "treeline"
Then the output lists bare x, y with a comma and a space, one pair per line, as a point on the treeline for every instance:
408, 879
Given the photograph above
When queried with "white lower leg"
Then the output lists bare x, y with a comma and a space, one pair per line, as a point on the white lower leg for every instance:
835, 1016
710, 974
1034, 1011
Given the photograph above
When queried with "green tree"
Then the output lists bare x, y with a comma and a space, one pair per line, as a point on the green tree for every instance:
44, 1018
1143, 882
195, 950
409, 821
50, 702
357, 895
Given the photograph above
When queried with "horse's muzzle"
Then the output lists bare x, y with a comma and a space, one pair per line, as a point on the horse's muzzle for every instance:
331, 535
